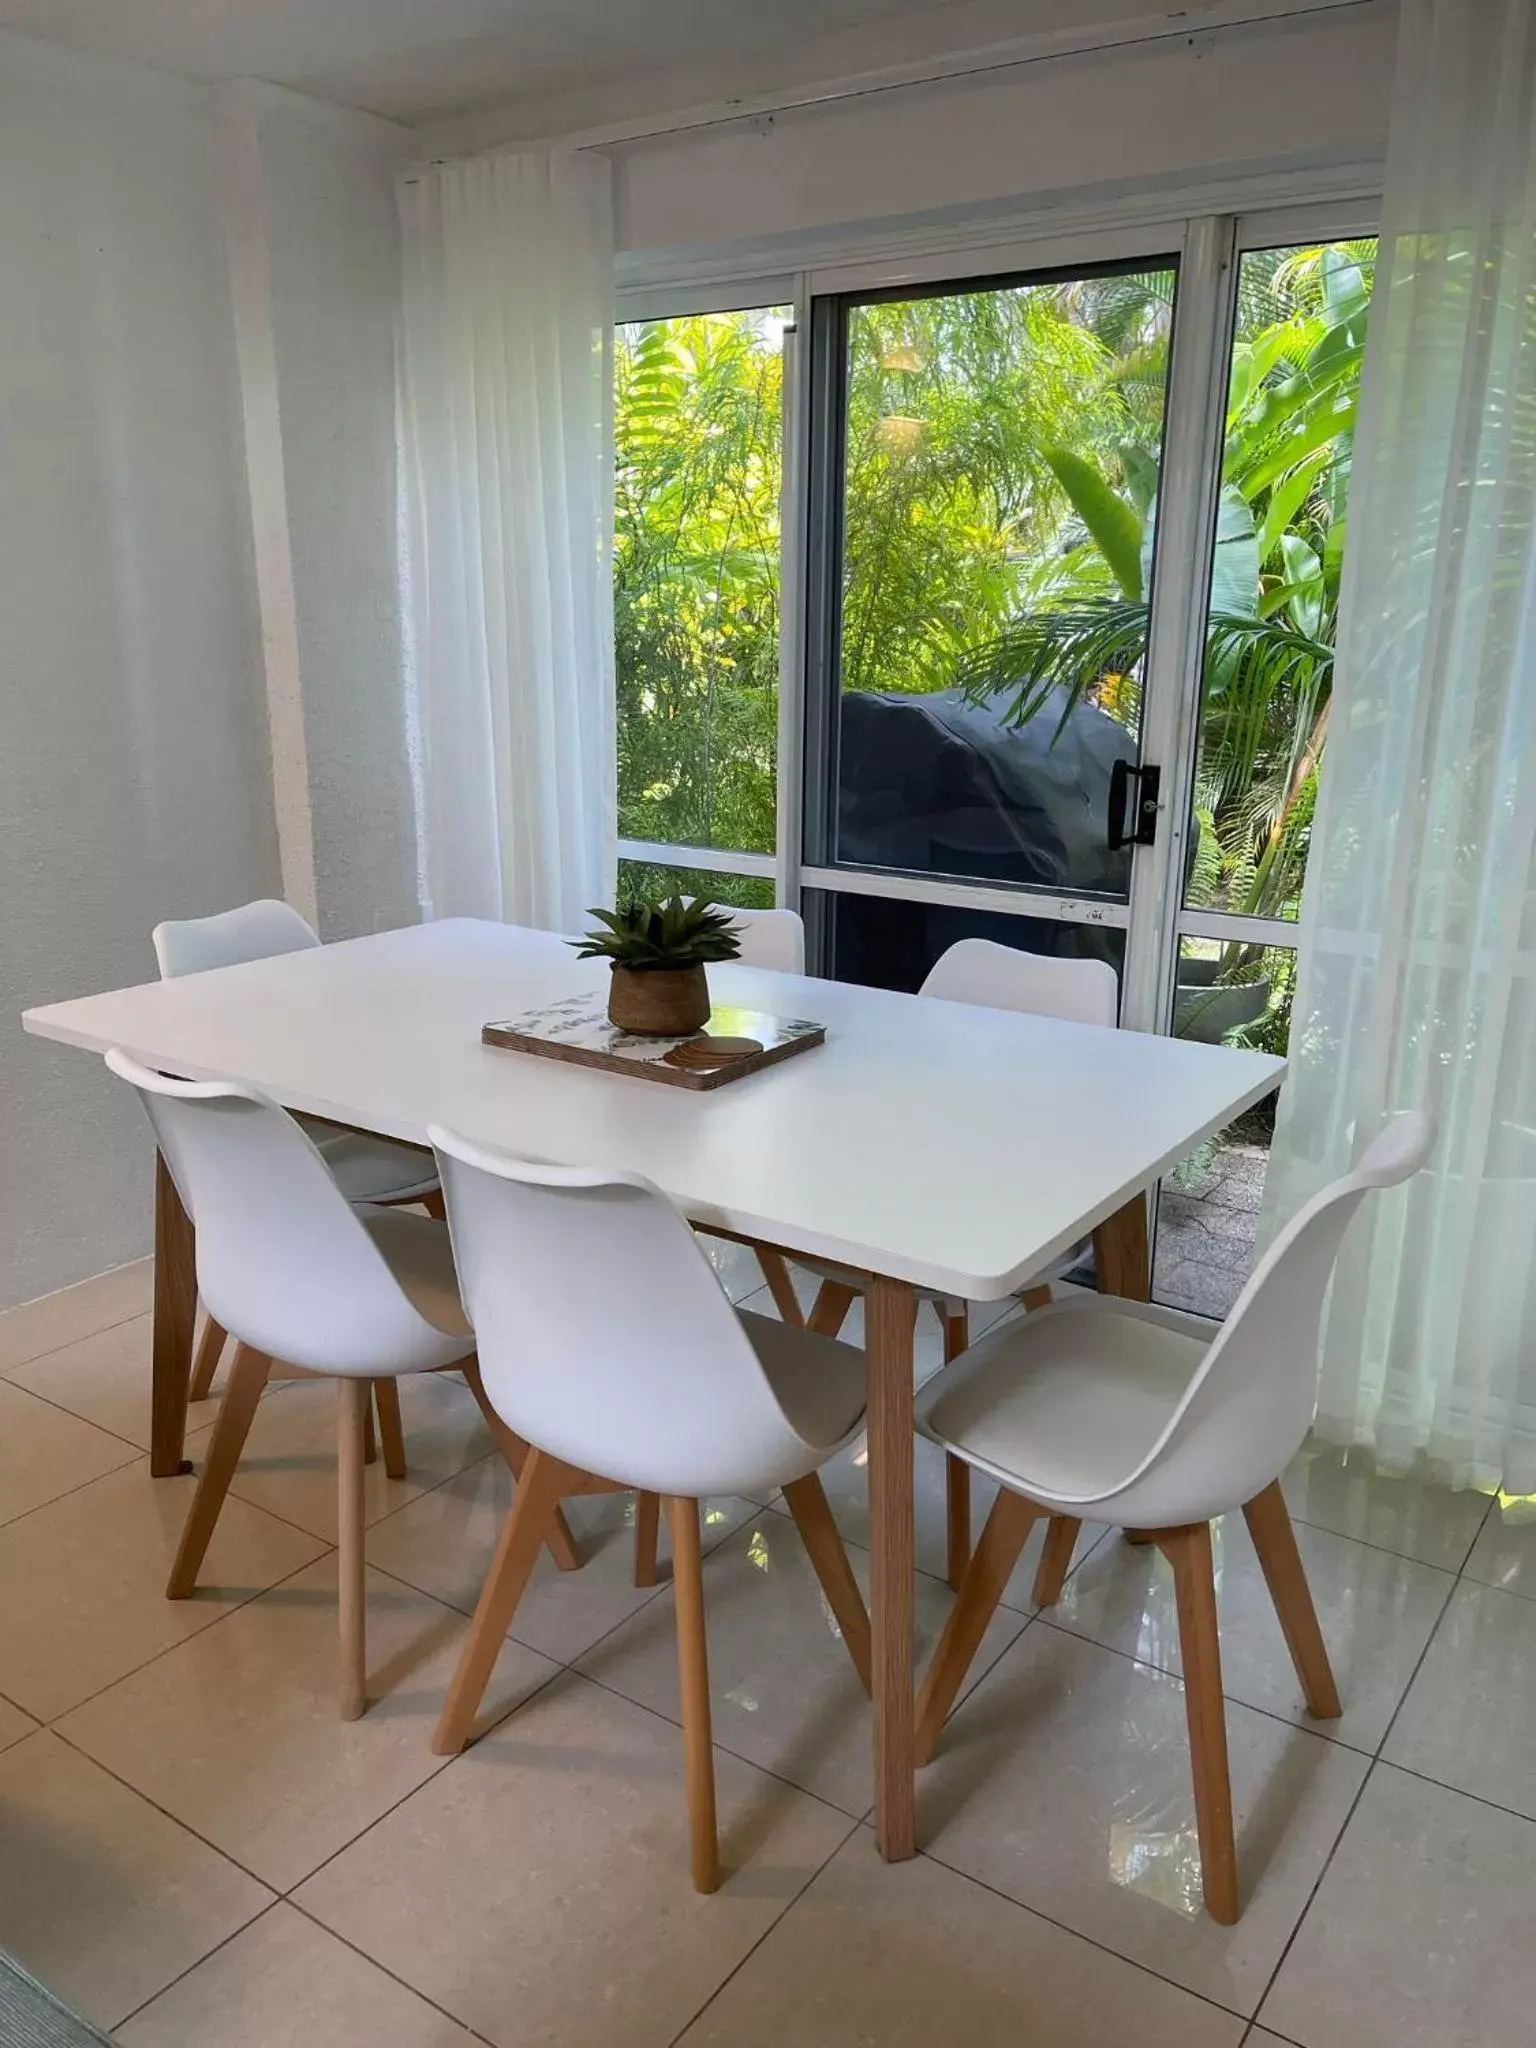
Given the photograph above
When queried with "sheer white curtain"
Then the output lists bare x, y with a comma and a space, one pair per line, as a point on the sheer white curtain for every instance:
507, 438
1418, 961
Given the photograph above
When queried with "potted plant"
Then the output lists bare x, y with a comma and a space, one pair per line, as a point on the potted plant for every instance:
658, 953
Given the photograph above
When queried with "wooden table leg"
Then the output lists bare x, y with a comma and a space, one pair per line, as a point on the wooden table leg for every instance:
890, 1311
1121, 1261
1120, 1252
175, 1313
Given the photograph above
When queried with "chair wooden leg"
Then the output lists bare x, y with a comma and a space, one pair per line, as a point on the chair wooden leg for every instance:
370, 1441
1269, 1524
247, 1379
647, 1529
956, 1321
540, 1487
693, 1683
1189, 1552
386, 1394
354, 1406
435, 1205
957, 1517
807, 1502
1002, 1538
563, 1547
1055, 1559
780, 1285
210, 1350
1037, 1297
830, 1309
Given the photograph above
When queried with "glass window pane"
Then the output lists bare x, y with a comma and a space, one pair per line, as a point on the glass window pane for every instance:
885, 942
647, 879
1001, 455
1208, 1216
1279, 550
696, 576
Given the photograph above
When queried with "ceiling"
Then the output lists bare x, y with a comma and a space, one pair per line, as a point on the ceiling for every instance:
416, 60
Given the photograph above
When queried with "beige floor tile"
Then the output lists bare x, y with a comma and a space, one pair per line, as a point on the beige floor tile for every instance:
237, 1734
55, 1319
911, 1954
82, 1582
284, 1980
1376, 1609
783, 1691
1504, 1554
14, 1724
1469, 1719
101, 1897
1064, 1782
105, 1379
1422, 1931
846, 1479
289, 1462
1342, 1491
444, 1541
538, 1888
45, 1452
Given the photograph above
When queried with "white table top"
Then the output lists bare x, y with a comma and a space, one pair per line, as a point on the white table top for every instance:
955, 1147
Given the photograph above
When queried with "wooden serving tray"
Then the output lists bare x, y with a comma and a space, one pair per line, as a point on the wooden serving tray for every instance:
731, 1045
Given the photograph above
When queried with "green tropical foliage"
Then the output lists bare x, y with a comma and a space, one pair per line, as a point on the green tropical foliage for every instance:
1002, 465
696, 579
1274, 588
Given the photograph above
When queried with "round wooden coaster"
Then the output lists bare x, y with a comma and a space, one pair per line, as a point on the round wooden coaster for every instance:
700, 1054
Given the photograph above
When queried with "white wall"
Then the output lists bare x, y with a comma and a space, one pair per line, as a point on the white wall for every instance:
324, 185
1309, 90
133, 758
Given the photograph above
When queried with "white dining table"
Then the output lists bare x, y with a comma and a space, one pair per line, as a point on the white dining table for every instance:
927, 1144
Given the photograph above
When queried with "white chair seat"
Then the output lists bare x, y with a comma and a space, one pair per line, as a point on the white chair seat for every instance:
419, 1253
373, 1169
1066, 1403
819, 1383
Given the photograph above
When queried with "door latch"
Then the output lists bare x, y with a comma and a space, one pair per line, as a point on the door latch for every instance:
1133, 804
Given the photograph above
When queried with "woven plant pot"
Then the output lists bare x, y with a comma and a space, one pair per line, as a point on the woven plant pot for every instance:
658, 1002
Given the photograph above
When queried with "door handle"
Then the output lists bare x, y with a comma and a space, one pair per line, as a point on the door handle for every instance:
1133, 804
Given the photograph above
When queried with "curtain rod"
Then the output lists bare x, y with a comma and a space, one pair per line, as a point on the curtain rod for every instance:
1178, 25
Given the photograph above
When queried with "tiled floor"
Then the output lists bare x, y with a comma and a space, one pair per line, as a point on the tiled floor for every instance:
196, 1851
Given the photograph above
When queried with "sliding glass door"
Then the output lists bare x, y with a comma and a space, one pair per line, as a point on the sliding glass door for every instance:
1298, 334
1002, 604
985, 495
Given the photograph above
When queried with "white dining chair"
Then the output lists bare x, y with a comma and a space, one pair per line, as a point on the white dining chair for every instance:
368, 1169
307, 1283
1133, 1415
771, 938
607, 1344
994, 977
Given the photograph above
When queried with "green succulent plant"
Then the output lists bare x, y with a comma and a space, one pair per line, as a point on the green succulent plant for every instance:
679, 932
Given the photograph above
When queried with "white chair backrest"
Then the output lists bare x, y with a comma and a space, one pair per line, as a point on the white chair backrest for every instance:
1251, 1403
1004, 978
254, 931
771, 938
284, 1262
603, 1334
